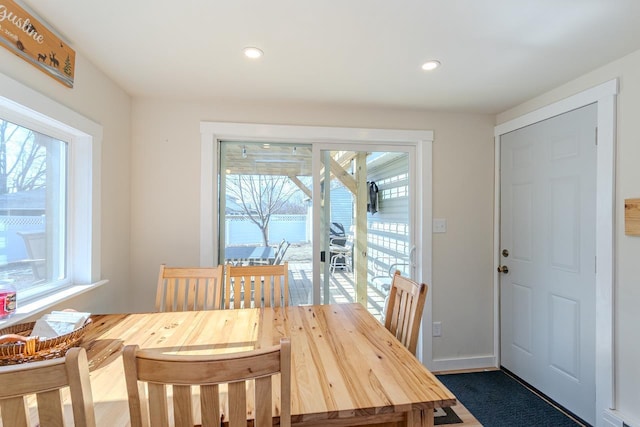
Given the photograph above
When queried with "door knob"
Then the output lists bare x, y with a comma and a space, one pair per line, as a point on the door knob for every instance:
503, 269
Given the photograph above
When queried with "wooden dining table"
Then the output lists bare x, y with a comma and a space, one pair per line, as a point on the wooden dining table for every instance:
347, 369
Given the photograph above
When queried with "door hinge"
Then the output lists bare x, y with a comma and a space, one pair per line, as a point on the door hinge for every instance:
595, 265
596, 135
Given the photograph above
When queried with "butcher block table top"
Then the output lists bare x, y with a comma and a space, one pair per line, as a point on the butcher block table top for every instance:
347, 369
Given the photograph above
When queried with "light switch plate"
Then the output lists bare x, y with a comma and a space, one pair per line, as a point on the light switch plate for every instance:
439, 225
436, 329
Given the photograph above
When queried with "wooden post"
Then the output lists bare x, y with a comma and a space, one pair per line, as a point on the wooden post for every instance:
360, 249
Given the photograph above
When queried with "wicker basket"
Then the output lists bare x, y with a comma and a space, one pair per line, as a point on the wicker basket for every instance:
50, 348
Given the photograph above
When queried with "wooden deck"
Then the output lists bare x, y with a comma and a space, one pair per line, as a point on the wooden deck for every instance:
341, 288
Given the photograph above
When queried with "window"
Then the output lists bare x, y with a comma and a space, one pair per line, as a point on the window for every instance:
33, 208
49, 198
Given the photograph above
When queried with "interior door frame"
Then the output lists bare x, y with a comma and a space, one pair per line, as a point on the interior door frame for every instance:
211, 133
605, 97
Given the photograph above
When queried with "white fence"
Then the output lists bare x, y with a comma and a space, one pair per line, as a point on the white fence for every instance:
12, 247
240, 230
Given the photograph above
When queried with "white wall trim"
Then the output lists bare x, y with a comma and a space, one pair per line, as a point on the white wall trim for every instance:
464, 363
496, 254
614, 418
422, 140
589, 96
605, 95
208, 198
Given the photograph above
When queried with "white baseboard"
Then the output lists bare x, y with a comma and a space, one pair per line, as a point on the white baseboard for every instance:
613, 418
610, 419
464, 363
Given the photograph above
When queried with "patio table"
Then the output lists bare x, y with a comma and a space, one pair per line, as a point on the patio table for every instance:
249, 254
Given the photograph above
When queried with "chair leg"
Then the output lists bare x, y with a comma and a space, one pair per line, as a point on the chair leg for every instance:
342, 260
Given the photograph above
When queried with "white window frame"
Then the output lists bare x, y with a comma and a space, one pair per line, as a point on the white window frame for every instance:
26, 107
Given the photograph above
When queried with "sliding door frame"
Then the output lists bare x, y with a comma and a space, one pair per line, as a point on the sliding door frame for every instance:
421, 141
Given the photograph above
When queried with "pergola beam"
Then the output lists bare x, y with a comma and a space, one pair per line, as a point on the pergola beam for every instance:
300, 185
343, 160
343, 176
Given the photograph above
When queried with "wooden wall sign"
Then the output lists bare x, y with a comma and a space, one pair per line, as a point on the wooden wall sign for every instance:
632, 217
28, 38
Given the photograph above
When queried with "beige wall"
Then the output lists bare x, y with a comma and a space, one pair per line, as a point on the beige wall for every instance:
99, 99
150, 192
627, 248
150, 197
165, 200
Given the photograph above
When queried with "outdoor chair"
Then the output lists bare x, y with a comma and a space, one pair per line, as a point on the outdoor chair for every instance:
256, 286
382, 278
189, 288
341, 250
280, 246
404, 310
337, 234
35, 244
208, 372
277, 255
282, 250
45, 379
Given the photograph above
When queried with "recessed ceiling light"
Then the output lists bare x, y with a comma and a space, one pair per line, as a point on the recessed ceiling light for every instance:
252, 52
430, 65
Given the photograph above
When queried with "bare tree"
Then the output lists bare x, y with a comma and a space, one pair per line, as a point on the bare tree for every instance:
22, 158
261, 196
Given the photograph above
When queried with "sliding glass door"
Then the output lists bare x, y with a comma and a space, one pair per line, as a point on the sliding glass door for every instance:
365, 223
343, 229
265, 206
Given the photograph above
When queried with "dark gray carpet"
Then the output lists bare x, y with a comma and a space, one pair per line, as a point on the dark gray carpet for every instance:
498, 400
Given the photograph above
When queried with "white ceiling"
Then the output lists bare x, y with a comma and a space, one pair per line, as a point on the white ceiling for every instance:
494, 53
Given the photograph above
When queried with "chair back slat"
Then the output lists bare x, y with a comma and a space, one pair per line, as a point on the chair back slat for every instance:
182, 405
256, 286
245, 372
404, 310
189, 288
210, 399
49, 407
237, 404
263, 408
14, 412
45, 379
158, 407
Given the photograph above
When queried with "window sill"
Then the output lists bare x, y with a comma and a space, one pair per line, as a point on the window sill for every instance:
40, 305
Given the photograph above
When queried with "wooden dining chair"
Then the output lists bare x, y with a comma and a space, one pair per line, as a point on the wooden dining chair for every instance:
186, 288
256, 286
45, 379
404, 310
159, 370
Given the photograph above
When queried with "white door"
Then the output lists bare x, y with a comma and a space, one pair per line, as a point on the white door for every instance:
547, 233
